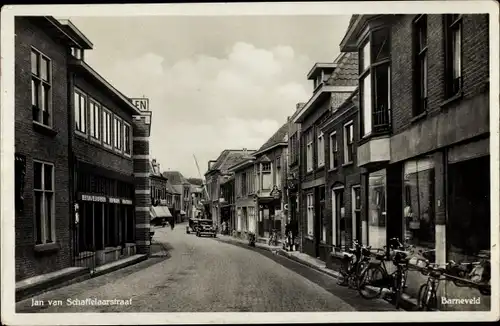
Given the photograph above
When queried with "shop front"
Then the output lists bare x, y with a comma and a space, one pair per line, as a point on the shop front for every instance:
269, 216
104, 228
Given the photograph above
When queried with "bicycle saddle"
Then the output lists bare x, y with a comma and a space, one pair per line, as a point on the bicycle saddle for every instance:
348, 255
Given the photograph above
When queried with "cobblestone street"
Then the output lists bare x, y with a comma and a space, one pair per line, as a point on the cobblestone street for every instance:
190, 274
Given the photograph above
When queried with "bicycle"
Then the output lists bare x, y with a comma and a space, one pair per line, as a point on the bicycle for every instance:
376, 278
273, 238
354, 262
427, 293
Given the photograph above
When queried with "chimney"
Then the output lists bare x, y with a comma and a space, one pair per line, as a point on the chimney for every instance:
159, 170
300, 106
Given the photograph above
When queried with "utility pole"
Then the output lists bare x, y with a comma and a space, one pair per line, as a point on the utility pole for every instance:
202, 179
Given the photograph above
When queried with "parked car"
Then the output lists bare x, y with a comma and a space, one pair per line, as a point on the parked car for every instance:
206, 227
192, 225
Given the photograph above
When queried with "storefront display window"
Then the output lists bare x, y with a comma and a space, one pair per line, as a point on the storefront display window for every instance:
418, 203
377, 212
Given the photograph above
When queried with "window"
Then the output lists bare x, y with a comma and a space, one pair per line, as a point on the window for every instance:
41, 88
94, 120
418, 198
356, 214
80, 112
309, 151
348, 142
293, 149
321, 149
256, 176
374, 81
334, 160
107, 134
322, 220
338, 217
77, 53
267, 181
377, 184
278, 172
243, 184
117, 128
310, 215
43, 188
420, 43
453, 48
126, 139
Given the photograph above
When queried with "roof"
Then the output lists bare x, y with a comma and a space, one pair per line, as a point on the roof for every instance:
318, 66
228, 158
178, 189
175, 177
75, 33
170, 188
346, 73
278, 138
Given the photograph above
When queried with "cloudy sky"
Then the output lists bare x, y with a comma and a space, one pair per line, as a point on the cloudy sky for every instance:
214, 83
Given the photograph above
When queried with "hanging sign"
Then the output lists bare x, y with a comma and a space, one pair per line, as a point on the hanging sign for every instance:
141, 103
114, 200
126, 201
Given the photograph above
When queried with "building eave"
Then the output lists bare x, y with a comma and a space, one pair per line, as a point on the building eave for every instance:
84, 41
322, 93
84, 67
320, 66
265, 150
241, 165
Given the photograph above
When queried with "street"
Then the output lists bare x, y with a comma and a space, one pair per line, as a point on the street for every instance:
191, 274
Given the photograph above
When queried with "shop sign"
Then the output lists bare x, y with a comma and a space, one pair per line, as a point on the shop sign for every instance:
141, 103
100, 199
276, 193
114, 200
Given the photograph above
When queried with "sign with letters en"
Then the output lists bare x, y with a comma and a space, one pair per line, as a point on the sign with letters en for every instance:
141, 103
126, 202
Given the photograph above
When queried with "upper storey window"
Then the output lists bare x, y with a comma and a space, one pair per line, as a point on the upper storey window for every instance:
374, 81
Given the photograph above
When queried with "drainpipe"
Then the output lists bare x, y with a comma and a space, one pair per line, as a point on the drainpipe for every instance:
71, 161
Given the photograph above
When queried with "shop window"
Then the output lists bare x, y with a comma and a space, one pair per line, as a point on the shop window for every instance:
310, 215
41, 87
377, 212
43, 188
468, 226
419, 216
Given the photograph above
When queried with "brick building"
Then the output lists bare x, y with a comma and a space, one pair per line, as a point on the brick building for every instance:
227, 202
42, 148
424, 134
217, 170
332, 86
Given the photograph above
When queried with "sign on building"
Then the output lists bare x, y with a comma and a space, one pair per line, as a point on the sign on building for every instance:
141, 103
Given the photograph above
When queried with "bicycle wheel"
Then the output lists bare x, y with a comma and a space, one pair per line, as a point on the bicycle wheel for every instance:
397, 289
344, 275
370, 284
426, 301
356, 277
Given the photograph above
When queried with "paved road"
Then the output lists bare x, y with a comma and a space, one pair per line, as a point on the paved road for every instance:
190, 274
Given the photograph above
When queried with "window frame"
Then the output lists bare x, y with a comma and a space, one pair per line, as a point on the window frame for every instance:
125, 124
37, 79
310, 214
368, 73
105, 111
320, 146
452, 22
83, 95
420, 56
266, 171
349, 125
43, 217
91, 115
334, 153
117, 126
309, 151
277, 178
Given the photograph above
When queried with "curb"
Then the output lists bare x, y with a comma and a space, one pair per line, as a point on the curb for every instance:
102, 270
407, 302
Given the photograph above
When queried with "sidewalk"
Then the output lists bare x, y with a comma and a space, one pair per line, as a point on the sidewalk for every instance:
409, 303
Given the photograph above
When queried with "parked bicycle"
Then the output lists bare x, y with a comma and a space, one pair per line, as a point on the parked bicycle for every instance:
251, 239
376, 278
273, 238
427, 293
353, 264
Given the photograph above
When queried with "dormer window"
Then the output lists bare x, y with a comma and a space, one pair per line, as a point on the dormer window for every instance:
77, 53
374, 81
319, 79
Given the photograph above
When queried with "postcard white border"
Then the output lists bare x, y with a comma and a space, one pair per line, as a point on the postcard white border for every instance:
212, 9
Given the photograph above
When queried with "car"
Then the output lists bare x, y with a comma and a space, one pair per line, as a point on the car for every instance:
206, 227
192, 225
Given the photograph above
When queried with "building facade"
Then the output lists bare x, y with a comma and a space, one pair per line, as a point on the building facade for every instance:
227, 201
42, 147
333, 84
424, 134
270, 171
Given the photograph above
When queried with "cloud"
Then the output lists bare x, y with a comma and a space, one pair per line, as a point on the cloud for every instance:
202, 105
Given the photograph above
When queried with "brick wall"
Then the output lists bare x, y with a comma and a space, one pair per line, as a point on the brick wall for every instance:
35, 145
475, 64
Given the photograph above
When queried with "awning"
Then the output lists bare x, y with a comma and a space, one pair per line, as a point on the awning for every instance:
160, 211
183, 213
